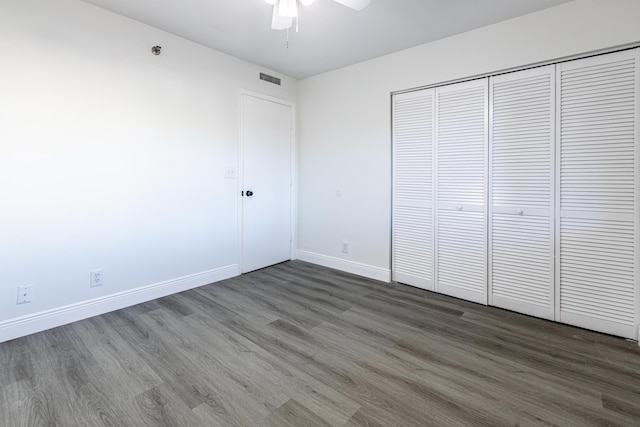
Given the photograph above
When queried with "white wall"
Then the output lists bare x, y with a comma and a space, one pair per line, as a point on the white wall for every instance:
112, 158
345, 119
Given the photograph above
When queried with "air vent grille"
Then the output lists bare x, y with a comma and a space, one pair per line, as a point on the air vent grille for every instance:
270, 79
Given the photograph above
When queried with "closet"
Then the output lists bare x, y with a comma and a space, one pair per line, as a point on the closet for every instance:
520, 190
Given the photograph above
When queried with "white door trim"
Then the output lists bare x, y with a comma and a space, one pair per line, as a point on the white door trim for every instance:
240, 174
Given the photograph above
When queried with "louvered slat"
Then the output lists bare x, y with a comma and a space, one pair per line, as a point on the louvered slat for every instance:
413, 238
597, 193
461, 162
461, 144
521, 150
461, 254
522, 138
522, 267
412, 228
597, 274
585, 135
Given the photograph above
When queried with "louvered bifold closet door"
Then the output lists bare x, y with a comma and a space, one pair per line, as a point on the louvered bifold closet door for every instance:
598, 193
461, 151
521, 150
412, 230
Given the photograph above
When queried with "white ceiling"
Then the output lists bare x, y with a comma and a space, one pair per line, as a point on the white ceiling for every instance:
330, 36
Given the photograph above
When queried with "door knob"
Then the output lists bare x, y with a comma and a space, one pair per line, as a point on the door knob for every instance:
249, 193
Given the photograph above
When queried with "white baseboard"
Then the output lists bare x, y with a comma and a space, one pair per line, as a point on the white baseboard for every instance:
376, 273
25, 325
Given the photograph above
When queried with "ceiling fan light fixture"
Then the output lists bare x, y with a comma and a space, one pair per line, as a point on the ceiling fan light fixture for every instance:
286, 11
280, 22
354, 4
288, 8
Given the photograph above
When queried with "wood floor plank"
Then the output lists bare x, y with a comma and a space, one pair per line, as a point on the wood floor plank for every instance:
161, 406
18, 357
27, 406
298, 344
127, 370
74, 380
292, 414
239, 305
495, 384
241, 375
276, 304
160, 354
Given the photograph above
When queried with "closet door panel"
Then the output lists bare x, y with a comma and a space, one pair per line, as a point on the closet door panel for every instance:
598, 187
461, 147
522, 130
412, 231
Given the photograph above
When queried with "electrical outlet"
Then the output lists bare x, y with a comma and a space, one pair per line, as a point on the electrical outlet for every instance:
24, 294
96, 278
345, 247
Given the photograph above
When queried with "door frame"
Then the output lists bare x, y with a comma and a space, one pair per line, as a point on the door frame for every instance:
240, 175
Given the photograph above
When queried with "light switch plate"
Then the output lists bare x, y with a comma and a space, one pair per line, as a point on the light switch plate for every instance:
230, 172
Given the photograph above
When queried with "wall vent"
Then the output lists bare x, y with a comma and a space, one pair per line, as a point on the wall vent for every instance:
270, 79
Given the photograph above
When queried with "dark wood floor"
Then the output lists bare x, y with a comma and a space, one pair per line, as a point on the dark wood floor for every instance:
301, 345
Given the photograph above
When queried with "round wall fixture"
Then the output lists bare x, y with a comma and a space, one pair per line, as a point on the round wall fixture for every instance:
156, 50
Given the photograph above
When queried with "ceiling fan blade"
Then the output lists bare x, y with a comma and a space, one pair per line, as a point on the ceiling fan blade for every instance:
280, 22
354, 4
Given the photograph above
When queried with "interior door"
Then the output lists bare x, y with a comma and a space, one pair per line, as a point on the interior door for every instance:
266, 194
413, 116
521, 244
461, 226
598, 192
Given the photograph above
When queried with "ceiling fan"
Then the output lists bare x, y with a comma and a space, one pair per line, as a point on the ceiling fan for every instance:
284, 11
